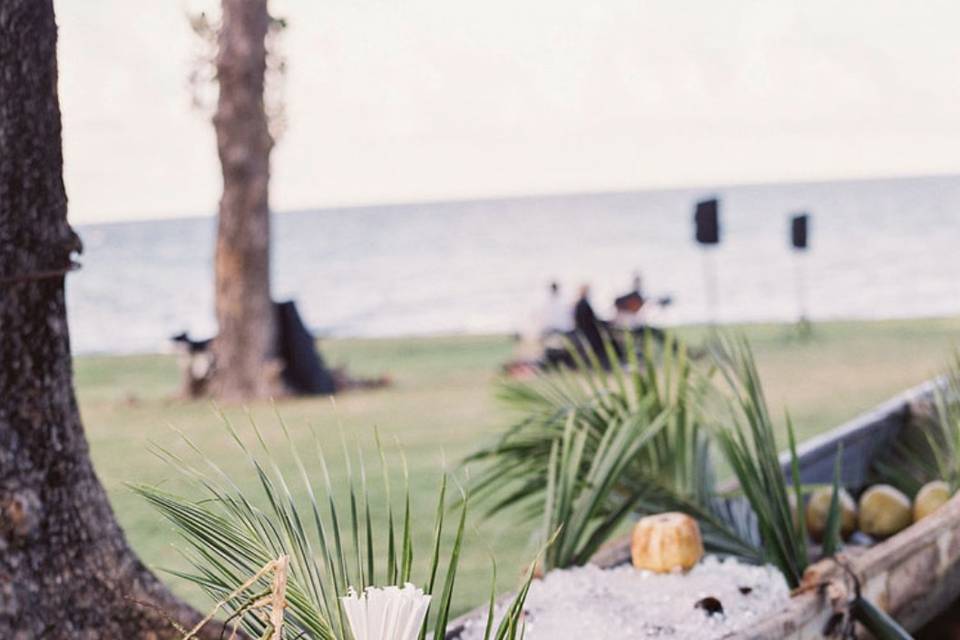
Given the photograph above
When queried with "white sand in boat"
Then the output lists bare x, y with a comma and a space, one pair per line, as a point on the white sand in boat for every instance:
589, 602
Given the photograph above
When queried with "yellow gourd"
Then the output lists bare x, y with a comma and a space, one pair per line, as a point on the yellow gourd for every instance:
666, 542
818, 510
884, 511
931, 497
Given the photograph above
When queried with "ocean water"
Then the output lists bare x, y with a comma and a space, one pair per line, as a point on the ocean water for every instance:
878, 249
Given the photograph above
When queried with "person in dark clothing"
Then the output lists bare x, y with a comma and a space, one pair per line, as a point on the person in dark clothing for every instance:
589, 327
631, 310
630, 306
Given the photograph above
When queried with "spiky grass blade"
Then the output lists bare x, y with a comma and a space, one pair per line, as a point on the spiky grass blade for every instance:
832, 541
748, 443
491, 607
443, 610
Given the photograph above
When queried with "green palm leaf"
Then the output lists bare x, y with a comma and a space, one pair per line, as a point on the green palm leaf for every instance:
593, 447
231, 534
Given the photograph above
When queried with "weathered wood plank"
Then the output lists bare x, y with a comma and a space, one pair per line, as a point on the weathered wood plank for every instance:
913, 576
863, 438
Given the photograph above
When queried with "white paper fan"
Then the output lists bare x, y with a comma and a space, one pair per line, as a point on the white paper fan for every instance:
386, 613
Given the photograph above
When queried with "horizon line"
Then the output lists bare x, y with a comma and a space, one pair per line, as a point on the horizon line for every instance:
359, 206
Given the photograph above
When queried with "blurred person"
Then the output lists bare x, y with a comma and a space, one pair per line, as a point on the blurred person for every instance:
549, 319
556, 328
557, 314
632, 309
629, 307
544, 337
591, 328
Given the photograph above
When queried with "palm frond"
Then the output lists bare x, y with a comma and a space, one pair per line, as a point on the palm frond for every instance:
232, 533
579, 499
945, 439
562, 441
929, 448
748, 442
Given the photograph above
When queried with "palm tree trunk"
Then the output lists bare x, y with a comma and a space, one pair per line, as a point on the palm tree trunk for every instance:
66, 570
245, 346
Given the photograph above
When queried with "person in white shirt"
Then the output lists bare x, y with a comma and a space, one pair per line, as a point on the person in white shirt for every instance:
545, 332
557, 314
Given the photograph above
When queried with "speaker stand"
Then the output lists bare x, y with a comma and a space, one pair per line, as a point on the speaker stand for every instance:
710, 280
804, 326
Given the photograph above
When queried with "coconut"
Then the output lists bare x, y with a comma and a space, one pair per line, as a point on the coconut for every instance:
931, 497
665, 542
818, 510
884, 511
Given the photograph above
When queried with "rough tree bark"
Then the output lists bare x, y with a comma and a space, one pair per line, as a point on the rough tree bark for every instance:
65, 568
245, 347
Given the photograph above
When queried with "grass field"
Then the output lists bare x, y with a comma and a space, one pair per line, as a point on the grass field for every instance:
443, 405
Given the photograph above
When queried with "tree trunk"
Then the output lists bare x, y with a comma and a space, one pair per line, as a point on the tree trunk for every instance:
245, 346
65, 568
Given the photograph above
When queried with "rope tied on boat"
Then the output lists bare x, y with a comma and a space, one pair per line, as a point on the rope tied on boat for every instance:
848, 611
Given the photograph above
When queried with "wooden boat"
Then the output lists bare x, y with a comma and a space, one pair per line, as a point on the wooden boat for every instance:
913, 576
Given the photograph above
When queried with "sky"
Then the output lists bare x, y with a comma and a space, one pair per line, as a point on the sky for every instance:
418, 100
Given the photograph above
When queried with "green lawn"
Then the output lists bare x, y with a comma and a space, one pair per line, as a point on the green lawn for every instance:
443, 405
